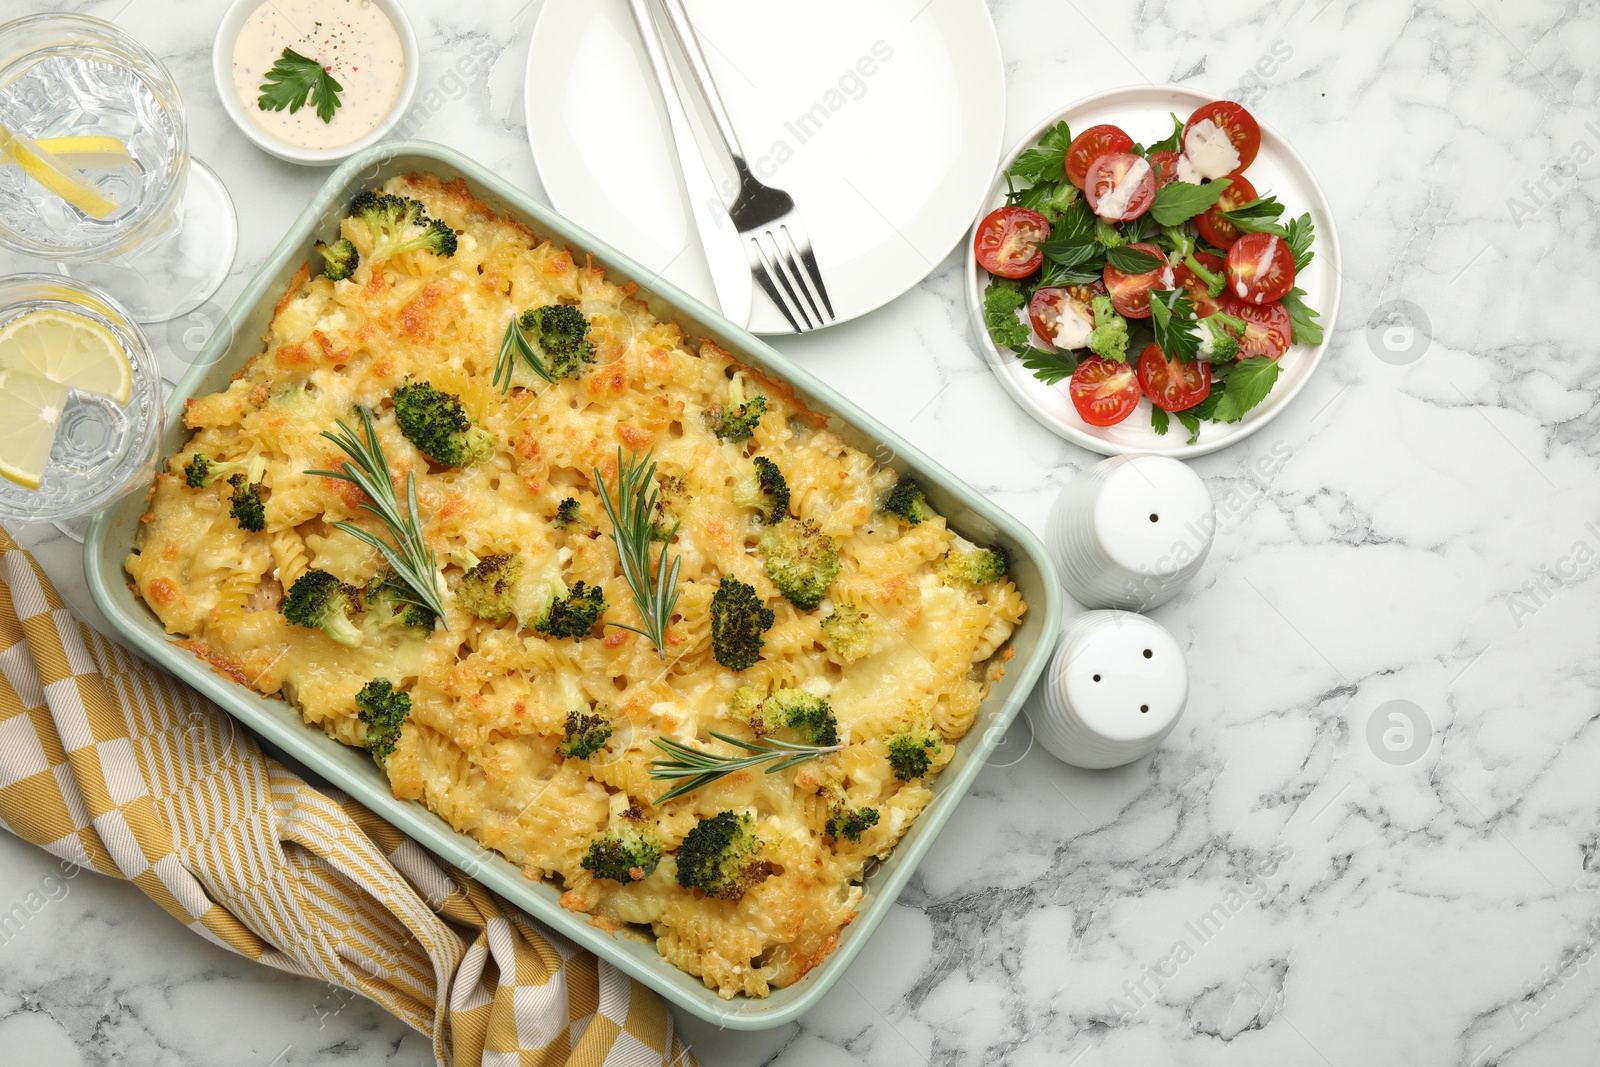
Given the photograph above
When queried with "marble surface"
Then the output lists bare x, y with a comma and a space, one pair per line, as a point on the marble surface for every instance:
1306, 872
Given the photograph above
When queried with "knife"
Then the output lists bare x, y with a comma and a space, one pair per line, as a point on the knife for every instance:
730, 271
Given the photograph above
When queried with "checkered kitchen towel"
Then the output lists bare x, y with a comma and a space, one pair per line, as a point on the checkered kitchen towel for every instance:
110, 764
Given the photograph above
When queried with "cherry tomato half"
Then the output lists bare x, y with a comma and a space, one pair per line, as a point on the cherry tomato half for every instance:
1172, 384
1241, 126
1050, 303
1165, 167
1119, 186
1007, 242
1131, 292
1260, 268
1213, 227
1199, 295
1104, 392
1267, 330
1092, 143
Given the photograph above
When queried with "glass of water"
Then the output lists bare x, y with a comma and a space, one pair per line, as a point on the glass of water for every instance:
169, 238
103, 445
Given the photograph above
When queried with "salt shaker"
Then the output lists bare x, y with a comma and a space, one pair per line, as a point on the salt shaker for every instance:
1131, 531
1113, 690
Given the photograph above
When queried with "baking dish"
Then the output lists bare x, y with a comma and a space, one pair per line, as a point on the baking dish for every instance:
111, 534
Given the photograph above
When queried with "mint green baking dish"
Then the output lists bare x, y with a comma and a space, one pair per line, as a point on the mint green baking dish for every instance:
110, 536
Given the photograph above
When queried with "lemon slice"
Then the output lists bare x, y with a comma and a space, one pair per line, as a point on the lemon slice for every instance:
67, 349
50, 172
84, 151
30, 407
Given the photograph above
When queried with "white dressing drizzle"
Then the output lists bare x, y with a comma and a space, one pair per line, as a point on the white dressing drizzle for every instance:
1114, 204
1210, 153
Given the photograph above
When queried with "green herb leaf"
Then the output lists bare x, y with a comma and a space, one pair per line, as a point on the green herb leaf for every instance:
1181, 201
1248, 383
1049, 367
1303, 325
293, 80
1139, 229
1001, 300
1170, 144
1258, 216
700, 767
1048, 162
1050, 199
632, 511
1158, 420
1107, 234
1132, 260
1077, 222
1300, 235
1172, 318
1054, 274
1072, 251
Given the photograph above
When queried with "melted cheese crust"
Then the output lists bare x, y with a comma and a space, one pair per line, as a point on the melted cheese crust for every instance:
489, 702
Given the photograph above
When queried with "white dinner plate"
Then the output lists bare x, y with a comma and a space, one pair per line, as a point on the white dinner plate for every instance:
882, 119
1144, 113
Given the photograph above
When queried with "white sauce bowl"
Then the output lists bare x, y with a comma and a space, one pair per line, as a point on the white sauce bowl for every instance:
222, 71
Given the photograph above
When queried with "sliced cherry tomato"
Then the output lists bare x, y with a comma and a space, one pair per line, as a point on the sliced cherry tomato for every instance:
1213, 227
1119, 186
1267, 329
1131, 292
1104, 392
1172, 384
1007, 242
1260, 268
1198, 292
1241, 126
1089, 145
1049, 304
1165, 167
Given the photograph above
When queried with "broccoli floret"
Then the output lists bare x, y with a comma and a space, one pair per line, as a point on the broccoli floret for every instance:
319, 601
383, 708
1215, 282
1219, 339
1002, 298
573, 615
246, 508
438, 425
722, 856
973, 565
339, 260
394, 602
587, 732
909, 753
907, 500
567, 513
672, 493
850, 824
624, 853
400, 224
561, 334
736, 420
849, 633
801, 560
746, 702
738, 619
1109, 338
202, 470
796, 709
489, 588
764, 489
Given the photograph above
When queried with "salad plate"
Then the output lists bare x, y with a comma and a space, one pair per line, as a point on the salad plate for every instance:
1147, 114
884, 121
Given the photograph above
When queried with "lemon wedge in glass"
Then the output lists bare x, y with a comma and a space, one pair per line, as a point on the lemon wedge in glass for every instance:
70, 350
30, 407
84, 150
55, 175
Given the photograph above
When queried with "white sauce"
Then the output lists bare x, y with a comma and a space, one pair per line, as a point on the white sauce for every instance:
1072, 329
353, 39
1263, 261
1114, 204
1209, 151
1186, 171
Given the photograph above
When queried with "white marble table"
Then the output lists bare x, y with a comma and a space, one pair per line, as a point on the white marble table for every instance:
1265, 889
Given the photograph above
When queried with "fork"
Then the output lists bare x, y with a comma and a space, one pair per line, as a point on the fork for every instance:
770, 226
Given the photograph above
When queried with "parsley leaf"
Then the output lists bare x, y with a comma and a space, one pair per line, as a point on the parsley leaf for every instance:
1050, 199
1248, 383
1170, 144
1190, 422
1049, 367
1303, 326
1001, 300
1140, 229
1300, 235
293, 80
1158, 420
1181, 201
1048, 162
1077, 222
1172, 319
1258, 216
1132, 260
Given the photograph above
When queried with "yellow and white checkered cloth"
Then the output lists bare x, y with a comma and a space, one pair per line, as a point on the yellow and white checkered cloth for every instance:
112, 765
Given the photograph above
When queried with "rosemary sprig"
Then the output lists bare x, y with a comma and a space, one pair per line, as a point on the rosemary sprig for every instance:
631, 512
410, 556
702, 768
515, 345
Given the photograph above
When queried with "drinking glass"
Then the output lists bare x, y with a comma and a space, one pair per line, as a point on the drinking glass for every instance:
102, 448
170, 241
